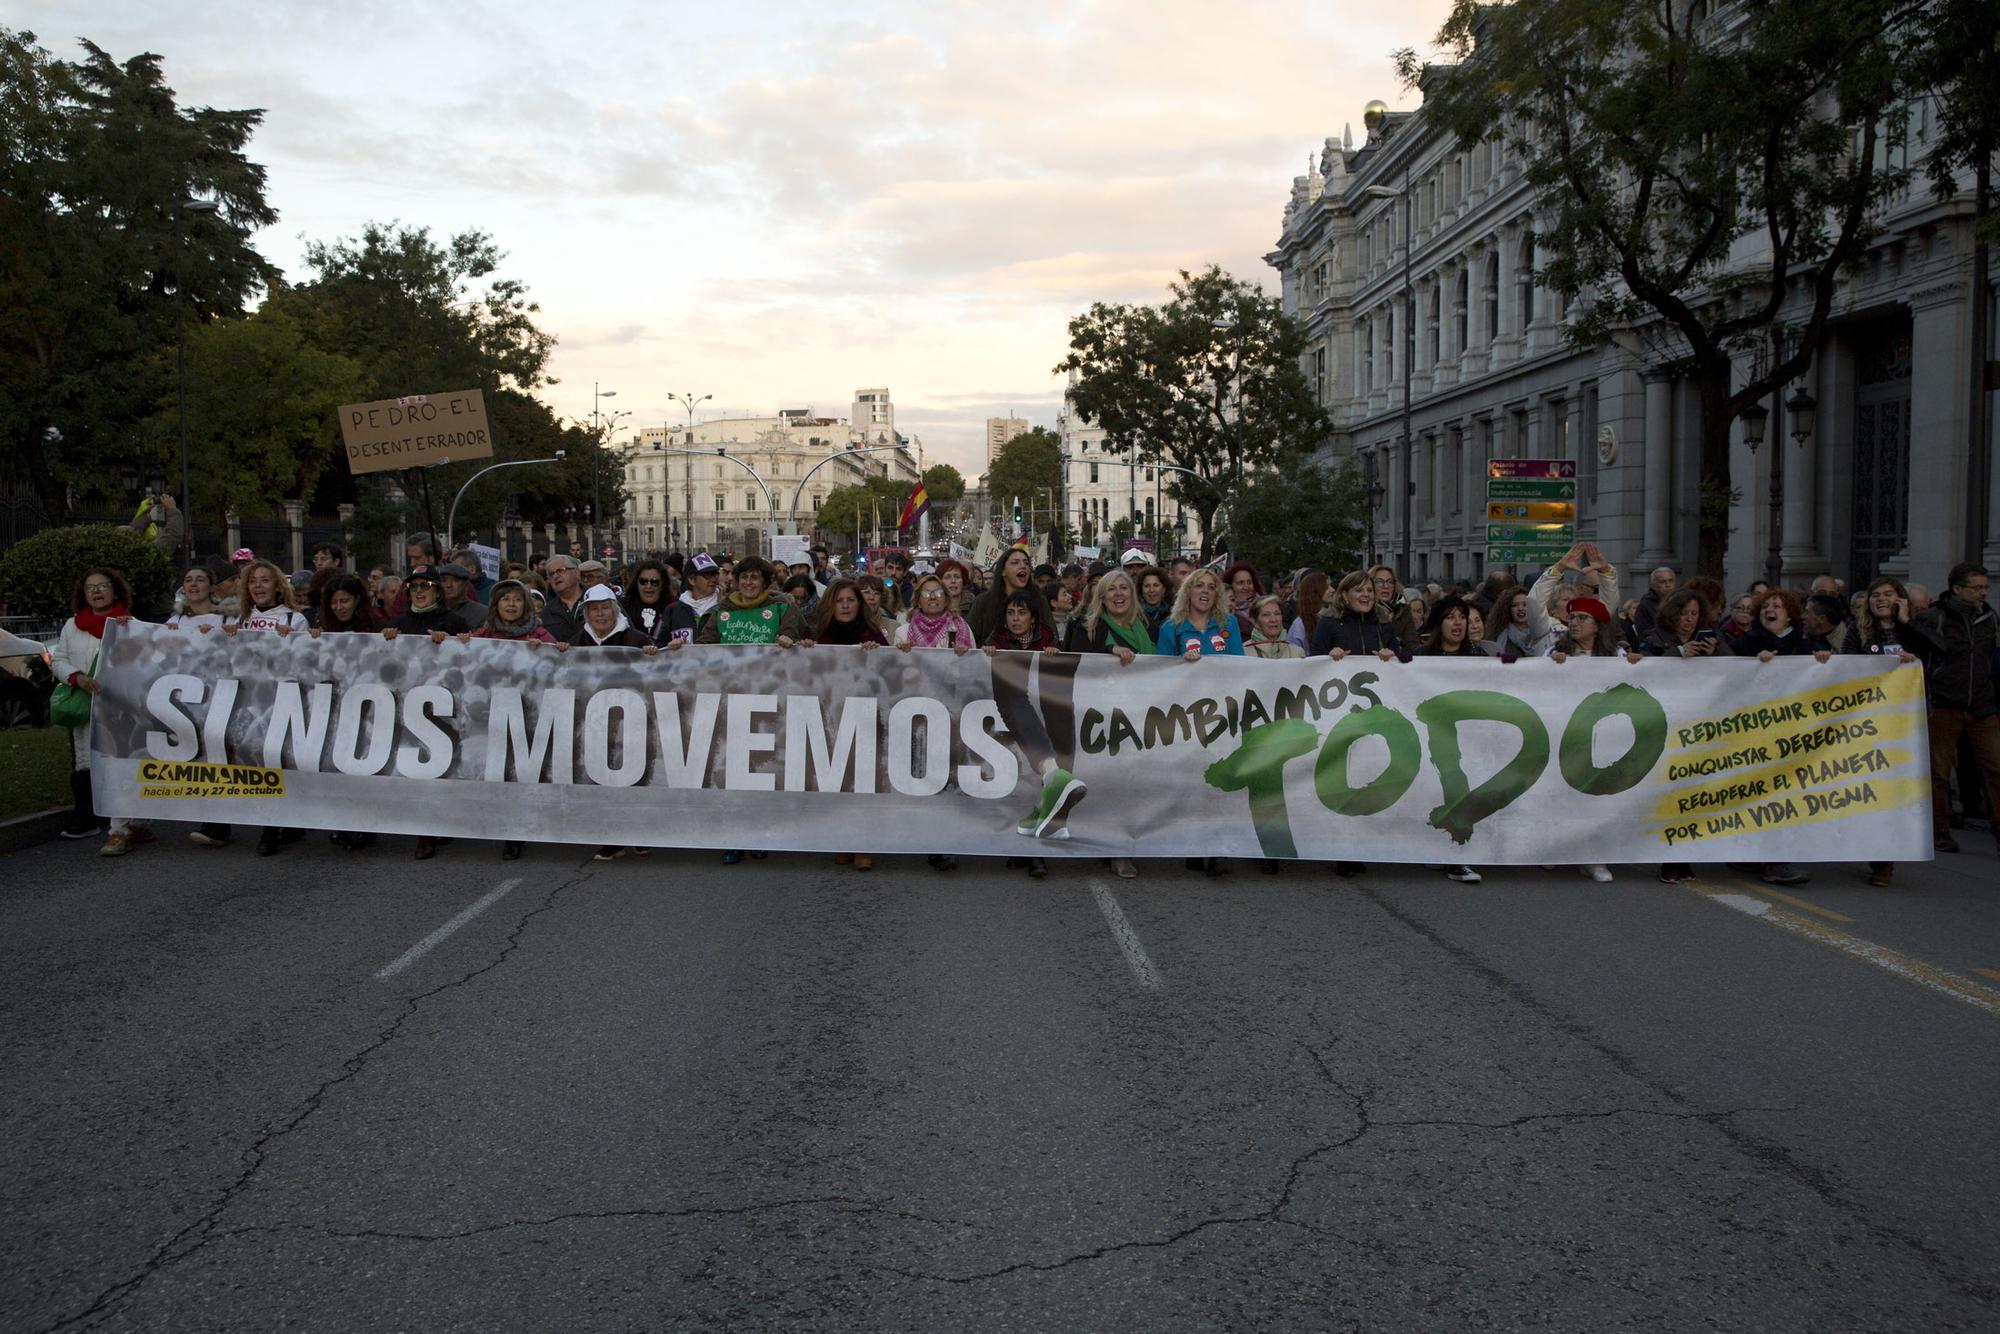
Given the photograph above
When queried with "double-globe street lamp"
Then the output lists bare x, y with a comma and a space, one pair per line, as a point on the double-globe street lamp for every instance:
689, 401
1801, 408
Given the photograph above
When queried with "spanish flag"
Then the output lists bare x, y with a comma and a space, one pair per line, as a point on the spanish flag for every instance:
918, 502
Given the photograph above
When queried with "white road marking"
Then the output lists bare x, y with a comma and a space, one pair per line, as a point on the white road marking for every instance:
1895, 962
1127, 938
424, 946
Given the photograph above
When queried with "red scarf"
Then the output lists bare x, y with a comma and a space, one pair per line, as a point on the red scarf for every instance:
93, 621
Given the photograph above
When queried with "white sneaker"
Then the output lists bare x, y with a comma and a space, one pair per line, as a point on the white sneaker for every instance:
1464, 875
1600, 873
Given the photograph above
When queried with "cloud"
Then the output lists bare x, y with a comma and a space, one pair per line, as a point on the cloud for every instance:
752, 198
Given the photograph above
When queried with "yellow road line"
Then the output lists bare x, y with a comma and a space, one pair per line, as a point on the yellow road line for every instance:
1906, 966
1783, 897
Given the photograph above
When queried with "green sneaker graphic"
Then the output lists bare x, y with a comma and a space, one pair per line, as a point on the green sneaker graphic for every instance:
1061, 790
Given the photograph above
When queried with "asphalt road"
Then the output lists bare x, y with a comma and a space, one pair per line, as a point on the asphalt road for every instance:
663, 1093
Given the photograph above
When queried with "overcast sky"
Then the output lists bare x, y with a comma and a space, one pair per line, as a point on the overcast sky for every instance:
778, 203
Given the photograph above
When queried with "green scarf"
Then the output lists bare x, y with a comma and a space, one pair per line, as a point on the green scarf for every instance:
1132, 636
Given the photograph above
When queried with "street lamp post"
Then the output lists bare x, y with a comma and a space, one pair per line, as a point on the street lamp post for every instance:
451, 515
597, 426
1408, 196
181, 208
1802, 410
688, 401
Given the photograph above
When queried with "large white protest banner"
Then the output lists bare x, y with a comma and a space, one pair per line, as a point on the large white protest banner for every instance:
1437, 760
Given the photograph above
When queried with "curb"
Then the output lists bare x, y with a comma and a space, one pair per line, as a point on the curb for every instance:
25, 831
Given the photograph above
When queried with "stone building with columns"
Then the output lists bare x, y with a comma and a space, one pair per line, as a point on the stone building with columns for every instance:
736, 484
1880, 483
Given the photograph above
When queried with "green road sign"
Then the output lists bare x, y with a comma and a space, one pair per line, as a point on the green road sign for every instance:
1508, 489
1526, 553
1541, 534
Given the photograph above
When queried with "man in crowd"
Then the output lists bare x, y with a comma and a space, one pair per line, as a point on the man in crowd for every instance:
562, 610
1133, 561
1181, 568
1956, 640
1659, 588
822, 566
593, 573
329, 556
455, 583
896, 570
419, 549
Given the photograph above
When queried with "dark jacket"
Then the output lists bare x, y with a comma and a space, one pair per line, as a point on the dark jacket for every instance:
1645, 614
1795, 643
414, 622
561, 621
1956, 642
1080, 640
1662, 644
674, 621
626, 638
1354, 633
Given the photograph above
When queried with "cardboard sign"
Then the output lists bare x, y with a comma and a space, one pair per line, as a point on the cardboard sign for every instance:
791, 549
489, 560
415, 432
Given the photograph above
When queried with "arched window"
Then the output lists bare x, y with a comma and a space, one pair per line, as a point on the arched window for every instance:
1460, 311
1492, 295
1524, 281
1434, 335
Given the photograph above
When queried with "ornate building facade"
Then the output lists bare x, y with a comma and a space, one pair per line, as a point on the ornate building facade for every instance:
729, 483
1879, 484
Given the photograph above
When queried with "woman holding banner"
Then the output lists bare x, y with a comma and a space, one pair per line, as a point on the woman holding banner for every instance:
263, 605
934, 624
842, 619
1355, 627
1199, 626
100, 597
652, 607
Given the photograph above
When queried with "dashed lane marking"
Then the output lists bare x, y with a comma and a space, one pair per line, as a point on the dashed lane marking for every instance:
1895, 962
1127, 938
428, 943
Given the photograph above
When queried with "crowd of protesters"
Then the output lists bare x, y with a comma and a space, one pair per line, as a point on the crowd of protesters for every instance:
1136, 607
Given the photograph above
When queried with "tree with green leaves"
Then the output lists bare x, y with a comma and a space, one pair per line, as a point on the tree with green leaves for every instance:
1209, 381
262, 414
98, 256
876, 502
1699, 165
1312, 513
1026, 467
421, 315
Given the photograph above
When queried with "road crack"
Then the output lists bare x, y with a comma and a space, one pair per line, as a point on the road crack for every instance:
199, 1233
1768, 1154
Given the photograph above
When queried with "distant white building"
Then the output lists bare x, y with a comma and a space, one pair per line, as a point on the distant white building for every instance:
999, 430
1879, 485
709, 498
1102, 486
